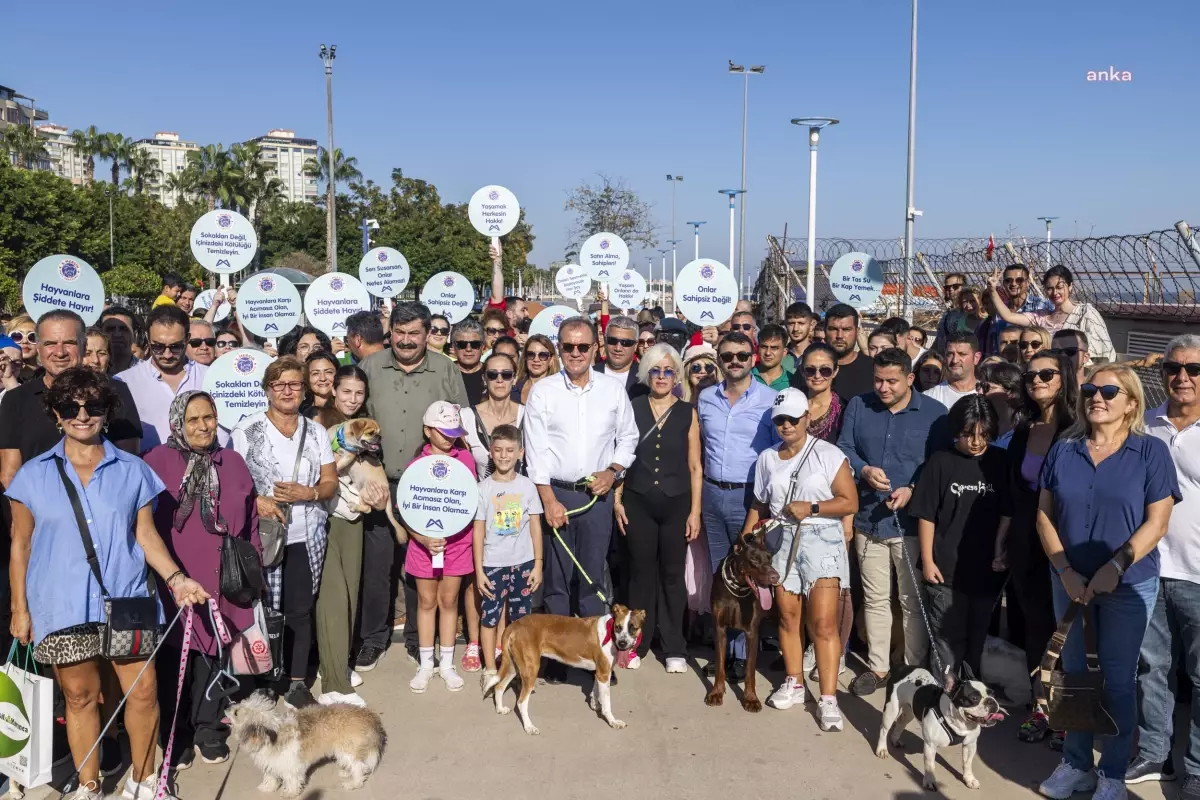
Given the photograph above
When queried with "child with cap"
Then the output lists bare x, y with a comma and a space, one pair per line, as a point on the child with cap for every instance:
438, 565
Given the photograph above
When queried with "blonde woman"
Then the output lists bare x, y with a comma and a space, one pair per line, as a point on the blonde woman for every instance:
22, 330
700, 370
1034, 339
1107, 490
539, 360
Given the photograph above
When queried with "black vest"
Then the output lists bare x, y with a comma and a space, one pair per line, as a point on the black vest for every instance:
662, 457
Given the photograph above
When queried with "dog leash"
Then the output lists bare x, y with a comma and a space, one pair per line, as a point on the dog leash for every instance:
933, 653
578, 566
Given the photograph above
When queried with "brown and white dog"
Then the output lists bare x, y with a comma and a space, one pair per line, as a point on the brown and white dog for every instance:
591, 643
356, 446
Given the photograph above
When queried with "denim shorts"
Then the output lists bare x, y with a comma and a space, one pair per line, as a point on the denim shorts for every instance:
821, 554
510, 587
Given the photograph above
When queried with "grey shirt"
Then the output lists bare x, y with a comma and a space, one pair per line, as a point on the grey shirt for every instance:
398, 401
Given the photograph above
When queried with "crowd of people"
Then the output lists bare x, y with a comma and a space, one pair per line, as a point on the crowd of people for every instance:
1012, 464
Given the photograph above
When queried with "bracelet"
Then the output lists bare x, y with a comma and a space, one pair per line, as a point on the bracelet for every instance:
316, 494
1120, 570
173, 576
1058, 571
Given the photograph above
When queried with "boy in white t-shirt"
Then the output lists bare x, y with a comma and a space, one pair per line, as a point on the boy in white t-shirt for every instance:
508, 542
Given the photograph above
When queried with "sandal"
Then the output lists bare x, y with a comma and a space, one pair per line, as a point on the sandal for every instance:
470, 659
1034, 728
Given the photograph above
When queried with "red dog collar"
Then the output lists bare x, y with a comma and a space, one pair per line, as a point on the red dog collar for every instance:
608, 635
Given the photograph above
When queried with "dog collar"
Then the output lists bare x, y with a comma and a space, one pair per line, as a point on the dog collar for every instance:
339, 441
955, 738
735, 589
608, 635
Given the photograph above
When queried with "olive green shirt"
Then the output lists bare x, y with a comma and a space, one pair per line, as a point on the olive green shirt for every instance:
398, 401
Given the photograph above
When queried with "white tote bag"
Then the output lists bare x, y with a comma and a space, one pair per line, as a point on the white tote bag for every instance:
26, 722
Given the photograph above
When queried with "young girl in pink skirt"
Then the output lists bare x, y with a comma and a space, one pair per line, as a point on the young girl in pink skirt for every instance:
439, 580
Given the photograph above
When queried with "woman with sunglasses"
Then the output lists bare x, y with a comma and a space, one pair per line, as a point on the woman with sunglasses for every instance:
23, 331
1034, 339
1107, 490
700, 370
499, 407
439, 336
539, 360
1048, 399
928, 370
226, 341
320, 368
819, 366
1065, 312
657, 507
646, 339
495, 325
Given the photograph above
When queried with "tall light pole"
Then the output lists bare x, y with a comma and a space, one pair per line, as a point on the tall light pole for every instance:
733, 193
663, 282
650, 268
910, 211
368, 225
738, 69
674, 265
1049, 221
674, 179
696, 231
327, 56
814, 125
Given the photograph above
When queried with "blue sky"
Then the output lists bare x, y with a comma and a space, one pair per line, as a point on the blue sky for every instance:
540, 96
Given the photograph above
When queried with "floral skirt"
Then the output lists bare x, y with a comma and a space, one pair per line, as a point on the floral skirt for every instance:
70, 645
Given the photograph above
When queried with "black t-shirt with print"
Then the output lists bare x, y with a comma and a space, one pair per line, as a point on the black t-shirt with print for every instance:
963, 497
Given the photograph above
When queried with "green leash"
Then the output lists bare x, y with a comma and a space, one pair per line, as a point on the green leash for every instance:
579, 566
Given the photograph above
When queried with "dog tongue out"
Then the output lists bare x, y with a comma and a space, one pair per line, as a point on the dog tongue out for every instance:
765, 598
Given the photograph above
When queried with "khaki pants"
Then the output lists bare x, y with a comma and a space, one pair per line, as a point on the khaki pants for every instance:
877, 558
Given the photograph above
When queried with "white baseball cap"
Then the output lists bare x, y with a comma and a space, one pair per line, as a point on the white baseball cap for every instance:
790, 403
444, 416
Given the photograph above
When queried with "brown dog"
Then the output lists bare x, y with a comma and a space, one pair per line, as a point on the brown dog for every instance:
741, 597
356, 444
586, 643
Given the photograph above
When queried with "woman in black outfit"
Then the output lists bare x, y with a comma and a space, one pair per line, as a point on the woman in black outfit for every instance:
658, 505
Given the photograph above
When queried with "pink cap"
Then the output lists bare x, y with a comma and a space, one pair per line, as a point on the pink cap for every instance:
444, 416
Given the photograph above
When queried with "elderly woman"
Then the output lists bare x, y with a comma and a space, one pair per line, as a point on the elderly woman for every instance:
1066, 313
319, 370
657, 507
291, 462
540, 359
58, 600
1107, 490
209, 495
99, 353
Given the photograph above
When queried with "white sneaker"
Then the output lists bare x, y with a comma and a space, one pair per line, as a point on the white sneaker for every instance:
1066, 781
1109, 788
356, 680
146, 790
353, 699
85, 792
634, 661
831, 715
812, 672
676, 665
420, 681
810, 659
454, 681
789, 693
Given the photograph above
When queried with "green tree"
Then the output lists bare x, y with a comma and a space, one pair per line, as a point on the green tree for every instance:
130, 281
24, 142
344, 169
216, 174
89, 143
143, 167
610, 206
117, 148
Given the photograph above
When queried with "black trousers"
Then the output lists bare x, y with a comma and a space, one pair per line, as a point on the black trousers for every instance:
199, 723
656, 538
1031, 587
960, 624
382, 569
298, 602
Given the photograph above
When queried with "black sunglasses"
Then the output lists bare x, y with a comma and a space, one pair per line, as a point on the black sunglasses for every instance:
1015, 281
438, 331
1108, 392
646, 342
1044, 375
158, 348
1030, 345
537, 355
69, 409
824, 372
209, 342
569, 347
781, 419
494, 331
1069, 352
707, 369
742, 357
745, 326
949, 287
495, 374
613, 341
469, 344
1173, 368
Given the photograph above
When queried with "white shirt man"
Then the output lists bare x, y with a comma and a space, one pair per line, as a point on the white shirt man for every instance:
962, 356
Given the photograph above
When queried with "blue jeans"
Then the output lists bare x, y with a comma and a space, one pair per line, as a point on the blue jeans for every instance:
1174, 634
723, 512
1121, 620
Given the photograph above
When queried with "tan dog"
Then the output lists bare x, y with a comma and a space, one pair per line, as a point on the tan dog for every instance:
590, 643
356, 444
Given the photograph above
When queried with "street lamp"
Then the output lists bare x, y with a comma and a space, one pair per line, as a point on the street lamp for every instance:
814, 125
368, 225
910, 210
327, 56
110, 192
732, 194
673, 242
696, 231
663, 283
738, 69
1049, 221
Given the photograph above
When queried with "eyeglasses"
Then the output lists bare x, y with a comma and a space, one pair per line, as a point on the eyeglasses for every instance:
1031, 345
499, 374
1044, 375
18, 337
1108, 392
284, 387
613, 341
210, 342
707, 369
469, 344
952, 287
646, 342
662, 372
1173, 368
537, 355
438, 331
782, 420
494, 331
742, 356
226, 344
1014, 281
1069, 352
158, 348
569, 347
69, 409
824, 372
744, 326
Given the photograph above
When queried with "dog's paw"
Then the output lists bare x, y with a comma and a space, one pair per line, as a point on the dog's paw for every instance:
752, 704
616, 723
928, 782
269, 784
971, 781
894, 740
532, 730
714, 699
881, 752
503, 710
291, 790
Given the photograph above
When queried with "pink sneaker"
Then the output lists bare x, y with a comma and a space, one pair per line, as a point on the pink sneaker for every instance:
470, 659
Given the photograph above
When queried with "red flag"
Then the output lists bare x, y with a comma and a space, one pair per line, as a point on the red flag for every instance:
991, 248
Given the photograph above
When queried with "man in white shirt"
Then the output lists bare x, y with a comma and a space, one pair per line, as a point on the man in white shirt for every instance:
962, 356
580, 435
620, 342
1174, 630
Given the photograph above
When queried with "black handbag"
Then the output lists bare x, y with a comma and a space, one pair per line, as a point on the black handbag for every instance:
241, 572
132, 629
275, 625
1075, 701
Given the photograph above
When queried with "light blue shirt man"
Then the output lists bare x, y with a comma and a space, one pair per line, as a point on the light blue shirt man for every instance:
734, 435
154, 396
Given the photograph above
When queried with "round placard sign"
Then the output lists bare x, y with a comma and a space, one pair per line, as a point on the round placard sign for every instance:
706, 292
269, 305
572, 281
604, 256
63, 282
856, 279
437, 496
331, 298
384, 271
548, 319
205, 300
629, 289
235, 381
494, 211
449, 294
223, 241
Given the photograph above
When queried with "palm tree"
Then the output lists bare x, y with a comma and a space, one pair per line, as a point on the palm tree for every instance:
217, 176
179, 184
117, 147
24, 142
143, 167
344, 169
89, 144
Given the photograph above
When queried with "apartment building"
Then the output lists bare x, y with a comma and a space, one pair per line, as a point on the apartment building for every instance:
63, 158
286, 154
172, 155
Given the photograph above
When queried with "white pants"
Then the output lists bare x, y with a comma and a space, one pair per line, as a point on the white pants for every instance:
876, 559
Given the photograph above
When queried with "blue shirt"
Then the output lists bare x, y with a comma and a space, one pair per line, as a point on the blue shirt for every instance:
1031, 304
896, 443
1099, 507
59, 584
733, 436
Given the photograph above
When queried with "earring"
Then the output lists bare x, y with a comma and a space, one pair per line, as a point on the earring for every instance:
106, 426
59, 426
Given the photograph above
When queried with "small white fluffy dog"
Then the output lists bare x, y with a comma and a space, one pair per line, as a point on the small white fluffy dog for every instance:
286, 743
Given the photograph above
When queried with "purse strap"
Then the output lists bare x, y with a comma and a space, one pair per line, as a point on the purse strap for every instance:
300, 449
1059, 640
658, 423
80, 520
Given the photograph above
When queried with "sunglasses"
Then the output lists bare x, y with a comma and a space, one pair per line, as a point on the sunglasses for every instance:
286, 386
158, 348
745, 326
499, 374
1044, 375
226, 345
707, 369
471, 344
438, 331
782, 420
824, 372
952, 287
494, 331
741, 356
537, 355
1014, 281
582, 349
1069, 352
646, 342
1031, 345
1173, 368
613, 341
1090, 390
18, 337
69, 409
210, 342
662, 372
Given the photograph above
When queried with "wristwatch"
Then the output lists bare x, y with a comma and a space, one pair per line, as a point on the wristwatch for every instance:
815, 509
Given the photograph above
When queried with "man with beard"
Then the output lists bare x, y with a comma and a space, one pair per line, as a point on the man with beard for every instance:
1015, 280
855, 375
798, 321
962, 355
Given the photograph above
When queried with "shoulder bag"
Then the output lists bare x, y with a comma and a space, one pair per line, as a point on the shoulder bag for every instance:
1075, 701
241, 572
132, 628
272, 532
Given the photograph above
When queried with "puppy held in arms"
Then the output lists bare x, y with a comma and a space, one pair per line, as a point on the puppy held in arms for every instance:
949, 714
591, 643
356, 446
285, 743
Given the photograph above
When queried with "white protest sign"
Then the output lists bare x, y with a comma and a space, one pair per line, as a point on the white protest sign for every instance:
449, 294
331, 298
629, 290
856, 279
63, 282
384, 271
235, 381
549, 319
706, 292
494, 211
604, 256
205, 300
268, 305
223, 241
572, 281
438, 497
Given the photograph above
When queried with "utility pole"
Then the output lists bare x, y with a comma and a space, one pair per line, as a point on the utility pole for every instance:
738, 69
327, 56
674, 272
1049, 221
910, 211
696, 231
